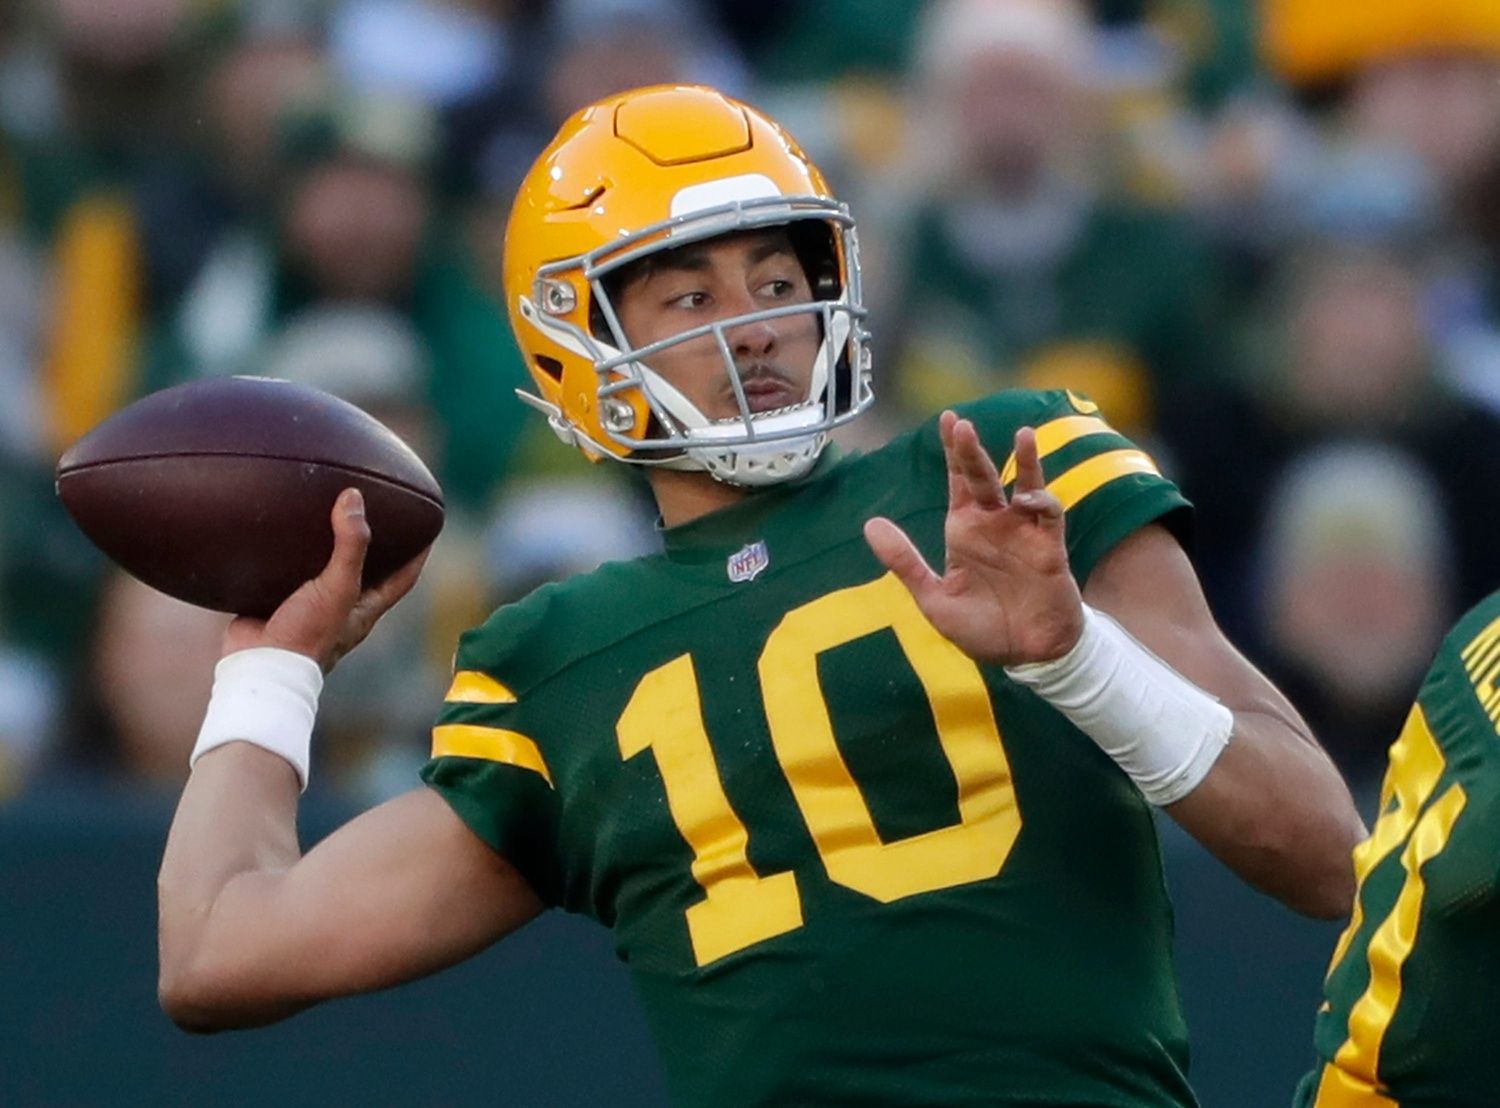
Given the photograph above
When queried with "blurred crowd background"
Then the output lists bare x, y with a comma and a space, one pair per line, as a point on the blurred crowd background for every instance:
1265, 238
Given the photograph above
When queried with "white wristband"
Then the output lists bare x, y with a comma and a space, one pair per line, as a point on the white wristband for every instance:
1162, 730
267, 697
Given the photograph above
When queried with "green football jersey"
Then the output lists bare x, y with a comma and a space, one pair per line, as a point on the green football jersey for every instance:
1409, 1019
844, 863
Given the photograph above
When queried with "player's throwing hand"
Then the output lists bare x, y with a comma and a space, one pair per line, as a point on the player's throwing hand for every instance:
329, 615
1006, 595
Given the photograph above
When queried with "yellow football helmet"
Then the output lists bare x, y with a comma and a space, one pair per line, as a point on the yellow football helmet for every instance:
648, 171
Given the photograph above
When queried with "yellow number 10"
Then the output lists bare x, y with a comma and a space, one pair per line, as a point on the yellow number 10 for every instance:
741, 907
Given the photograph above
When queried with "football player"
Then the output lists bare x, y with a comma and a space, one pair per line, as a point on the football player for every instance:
865, 832
1410, 995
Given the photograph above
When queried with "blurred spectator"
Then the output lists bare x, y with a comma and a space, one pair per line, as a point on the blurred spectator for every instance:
261, 77
607, 46
439, 51
587, 49
1417, 74
841, 38
1413, 84
1355, 589
475, 64
95, 195
550, 528
1348, 356
152, 669
1022, 252
357, 223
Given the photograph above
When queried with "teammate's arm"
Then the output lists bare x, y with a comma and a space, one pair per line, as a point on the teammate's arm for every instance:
1243, 775
250, 931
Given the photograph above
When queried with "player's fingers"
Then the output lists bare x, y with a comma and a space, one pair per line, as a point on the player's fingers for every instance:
980, 476
899, 555
958, 488
1029, 475
374, 603
351, 538
384, 596
1042, 506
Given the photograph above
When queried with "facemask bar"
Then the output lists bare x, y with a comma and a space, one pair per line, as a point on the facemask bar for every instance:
839, 324
621, 368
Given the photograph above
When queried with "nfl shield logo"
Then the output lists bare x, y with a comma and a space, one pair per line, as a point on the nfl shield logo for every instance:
747, 562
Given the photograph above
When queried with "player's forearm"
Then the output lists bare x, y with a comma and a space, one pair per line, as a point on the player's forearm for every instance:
1275, 811
237, 817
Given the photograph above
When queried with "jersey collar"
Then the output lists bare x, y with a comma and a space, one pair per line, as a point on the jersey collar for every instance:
710, 535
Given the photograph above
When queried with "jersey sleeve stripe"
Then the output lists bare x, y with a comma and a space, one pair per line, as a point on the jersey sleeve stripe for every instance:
472, 687
1056, 434
1483, 641
1092, 474
1481, 660
491, 744
1338, 1089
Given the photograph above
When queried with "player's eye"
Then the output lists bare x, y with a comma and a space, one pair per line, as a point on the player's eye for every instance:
778, 288
694, 299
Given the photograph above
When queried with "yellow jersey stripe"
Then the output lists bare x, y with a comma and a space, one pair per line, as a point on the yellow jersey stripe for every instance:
1056, 434
1092, 474
1337, 1089
1486, 639
492, 744
472, 687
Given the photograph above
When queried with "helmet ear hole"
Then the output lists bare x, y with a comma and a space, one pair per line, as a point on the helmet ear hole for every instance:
813, 243
550, 366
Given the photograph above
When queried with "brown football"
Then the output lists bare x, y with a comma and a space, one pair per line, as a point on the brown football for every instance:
218, 492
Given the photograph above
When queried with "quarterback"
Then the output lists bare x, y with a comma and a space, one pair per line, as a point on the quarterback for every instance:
866, 831
1408, 1020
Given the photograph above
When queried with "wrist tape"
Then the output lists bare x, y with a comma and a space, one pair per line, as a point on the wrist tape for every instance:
1163, 730
267, 697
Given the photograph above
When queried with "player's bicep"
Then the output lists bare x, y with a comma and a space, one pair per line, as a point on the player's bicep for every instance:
400, 892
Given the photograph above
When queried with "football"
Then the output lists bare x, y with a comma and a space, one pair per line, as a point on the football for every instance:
218, 492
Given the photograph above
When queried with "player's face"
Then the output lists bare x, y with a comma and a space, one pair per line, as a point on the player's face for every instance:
715, 280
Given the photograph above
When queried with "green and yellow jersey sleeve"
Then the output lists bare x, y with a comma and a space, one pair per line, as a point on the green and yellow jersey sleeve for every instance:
1107, 484
493, 773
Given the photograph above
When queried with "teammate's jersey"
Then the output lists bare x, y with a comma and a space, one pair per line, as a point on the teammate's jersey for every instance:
1411, 1017
845, 864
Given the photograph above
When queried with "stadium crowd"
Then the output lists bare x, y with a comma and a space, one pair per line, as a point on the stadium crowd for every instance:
1265, 239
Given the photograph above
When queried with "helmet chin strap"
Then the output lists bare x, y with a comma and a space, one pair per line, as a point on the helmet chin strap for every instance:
769, 463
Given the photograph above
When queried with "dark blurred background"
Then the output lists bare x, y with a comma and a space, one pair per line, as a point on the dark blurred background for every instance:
1264, 237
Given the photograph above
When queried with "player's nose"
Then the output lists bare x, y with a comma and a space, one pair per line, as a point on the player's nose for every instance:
756, 339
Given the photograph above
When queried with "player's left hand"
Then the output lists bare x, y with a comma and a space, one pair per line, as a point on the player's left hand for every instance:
1006, 596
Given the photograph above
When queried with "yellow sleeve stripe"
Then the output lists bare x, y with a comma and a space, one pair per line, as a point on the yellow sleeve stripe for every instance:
472, 687
1087, 477
1339, 1089
1056, 434
492, 744
1481, 642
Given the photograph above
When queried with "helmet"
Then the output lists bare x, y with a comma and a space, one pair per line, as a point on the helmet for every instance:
648, 171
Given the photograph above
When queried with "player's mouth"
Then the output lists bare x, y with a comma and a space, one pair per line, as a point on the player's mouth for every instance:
768, 389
